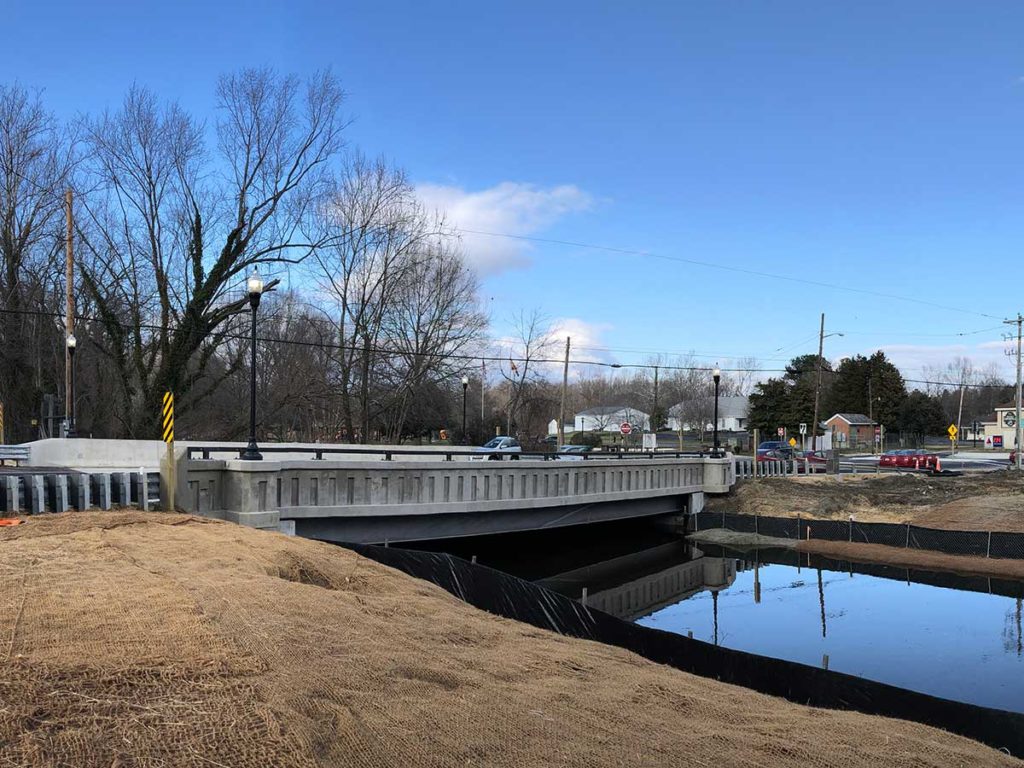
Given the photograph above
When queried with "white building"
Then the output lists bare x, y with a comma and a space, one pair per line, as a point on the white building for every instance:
1000, 431
732, 414
608, 418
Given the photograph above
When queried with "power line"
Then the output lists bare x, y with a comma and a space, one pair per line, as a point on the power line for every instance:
727, 268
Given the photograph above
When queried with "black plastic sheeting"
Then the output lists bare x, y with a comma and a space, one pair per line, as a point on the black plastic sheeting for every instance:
976, 543
513, 598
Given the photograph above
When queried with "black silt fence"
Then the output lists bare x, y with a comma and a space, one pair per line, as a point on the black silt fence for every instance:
1007, 545
513, 598
972, 543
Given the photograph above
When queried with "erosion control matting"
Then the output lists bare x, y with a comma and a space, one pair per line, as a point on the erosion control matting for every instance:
132, 639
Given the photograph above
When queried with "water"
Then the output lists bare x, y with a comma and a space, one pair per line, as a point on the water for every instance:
934, 633
951, 643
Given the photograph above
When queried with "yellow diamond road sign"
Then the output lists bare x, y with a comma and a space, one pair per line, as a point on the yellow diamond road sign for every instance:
792, 442
952, 431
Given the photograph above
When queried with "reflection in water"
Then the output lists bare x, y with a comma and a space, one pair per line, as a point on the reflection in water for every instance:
962, 643
714, 600
821, 603
958, 637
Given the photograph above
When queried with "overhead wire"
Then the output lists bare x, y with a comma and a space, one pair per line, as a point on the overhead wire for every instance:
733, 269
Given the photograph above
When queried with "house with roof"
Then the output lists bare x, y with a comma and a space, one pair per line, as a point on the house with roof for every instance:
689, 414
851, 430
999, 430
608, 418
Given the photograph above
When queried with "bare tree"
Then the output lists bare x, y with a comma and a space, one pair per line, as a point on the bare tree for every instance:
532, 342
163, 296
374, 231
36, 164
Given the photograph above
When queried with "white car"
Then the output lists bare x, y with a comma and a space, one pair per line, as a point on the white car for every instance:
496, 449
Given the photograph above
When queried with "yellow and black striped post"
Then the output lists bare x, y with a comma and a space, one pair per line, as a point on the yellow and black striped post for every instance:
171, 479
168, 417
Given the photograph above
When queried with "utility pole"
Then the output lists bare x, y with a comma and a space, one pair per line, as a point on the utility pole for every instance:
654, 427
960, 411
817, 386
1017, 440
565, 387
871, 414
69, 287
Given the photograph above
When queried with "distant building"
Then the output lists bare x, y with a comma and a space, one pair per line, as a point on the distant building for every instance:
1000, 430
608, 418
732, 414
851, 430
553, 427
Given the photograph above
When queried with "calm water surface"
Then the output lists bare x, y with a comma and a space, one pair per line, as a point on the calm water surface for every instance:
935, 633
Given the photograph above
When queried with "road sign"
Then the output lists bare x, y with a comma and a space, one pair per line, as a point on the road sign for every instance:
997, 441
803, 428
952, 431
792, 442
625, 427
782, 431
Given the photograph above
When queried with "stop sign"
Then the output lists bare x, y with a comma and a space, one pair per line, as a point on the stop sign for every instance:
625, 428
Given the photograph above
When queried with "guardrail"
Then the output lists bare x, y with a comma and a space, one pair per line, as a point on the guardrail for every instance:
747, 468
205, 453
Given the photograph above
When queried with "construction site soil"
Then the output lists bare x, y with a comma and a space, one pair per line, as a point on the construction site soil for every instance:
992, 501
133, 639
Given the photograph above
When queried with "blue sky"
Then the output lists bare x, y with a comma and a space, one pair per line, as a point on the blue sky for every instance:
873, 145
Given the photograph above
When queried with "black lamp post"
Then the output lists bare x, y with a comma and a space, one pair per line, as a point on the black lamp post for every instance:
717, 376
465, 386
254, 285
72, 343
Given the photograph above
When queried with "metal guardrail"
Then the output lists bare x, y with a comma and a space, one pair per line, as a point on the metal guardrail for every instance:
205, 452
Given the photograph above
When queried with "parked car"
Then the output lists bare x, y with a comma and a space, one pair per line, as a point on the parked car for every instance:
812, 457
774, 455
498, 447
771, 445
573, 452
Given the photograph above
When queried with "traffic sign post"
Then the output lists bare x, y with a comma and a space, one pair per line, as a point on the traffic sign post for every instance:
782, 431
625, 427
952, 436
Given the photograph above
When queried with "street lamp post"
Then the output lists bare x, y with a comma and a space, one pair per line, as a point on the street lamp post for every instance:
72, 344
254, 285
717, 376
465, 386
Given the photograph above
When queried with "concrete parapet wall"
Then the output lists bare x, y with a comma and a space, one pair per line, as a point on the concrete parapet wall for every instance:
265, 492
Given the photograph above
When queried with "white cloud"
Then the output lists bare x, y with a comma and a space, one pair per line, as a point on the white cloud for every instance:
508, 208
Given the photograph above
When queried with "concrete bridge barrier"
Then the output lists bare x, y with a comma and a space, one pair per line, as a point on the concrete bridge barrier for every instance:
399, 500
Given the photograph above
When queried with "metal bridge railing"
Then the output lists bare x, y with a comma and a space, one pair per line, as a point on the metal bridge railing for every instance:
206, 452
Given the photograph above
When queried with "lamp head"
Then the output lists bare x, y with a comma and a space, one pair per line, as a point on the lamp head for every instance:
254, 287
72, 342
716, 374
465, 381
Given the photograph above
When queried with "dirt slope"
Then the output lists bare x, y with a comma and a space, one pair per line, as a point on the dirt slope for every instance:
145, 640
992, 501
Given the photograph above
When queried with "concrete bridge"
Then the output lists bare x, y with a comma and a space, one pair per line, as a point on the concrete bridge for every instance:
408, 497
396, 494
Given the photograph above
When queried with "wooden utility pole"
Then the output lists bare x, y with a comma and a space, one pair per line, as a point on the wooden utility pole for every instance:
565, 387
1017, 440
483, 390
69, 287
817, 385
